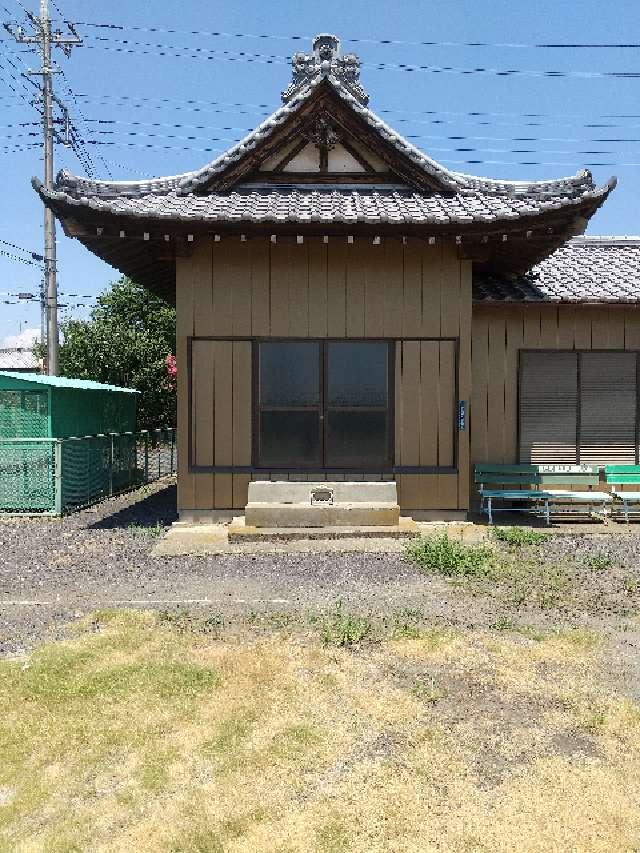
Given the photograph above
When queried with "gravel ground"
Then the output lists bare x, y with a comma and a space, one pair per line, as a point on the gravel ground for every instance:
55, 570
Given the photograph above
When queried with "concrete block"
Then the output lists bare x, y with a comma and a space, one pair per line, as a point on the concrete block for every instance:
372, 513
343, 492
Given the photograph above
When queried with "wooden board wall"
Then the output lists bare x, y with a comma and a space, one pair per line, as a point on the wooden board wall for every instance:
335, 289
500, 332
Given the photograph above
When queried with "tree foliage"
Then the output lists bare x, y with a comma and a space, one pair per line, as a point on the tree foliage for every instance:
126, 342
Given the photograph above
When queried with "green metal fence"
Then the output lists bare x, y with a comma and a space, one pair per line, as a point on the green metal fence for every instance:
54, 476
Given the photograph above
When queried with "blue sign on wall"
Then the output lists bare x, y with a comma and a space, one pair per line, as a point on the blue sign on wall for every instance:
462, 414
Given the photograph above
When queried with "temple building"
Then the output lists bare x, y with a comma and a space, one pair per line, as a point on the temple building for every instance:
350, 309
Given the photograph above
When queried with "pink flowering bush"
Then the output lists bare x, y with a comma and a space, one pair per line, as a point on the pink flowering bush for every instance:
172, 371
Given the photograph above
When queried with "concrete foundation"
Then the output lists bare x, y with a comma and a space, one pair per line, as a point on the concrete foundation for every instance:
320, 505
239, 531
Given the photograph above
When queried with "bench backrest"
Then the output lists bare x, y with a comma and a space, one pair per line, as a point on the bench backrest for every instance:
543, 475
618, 475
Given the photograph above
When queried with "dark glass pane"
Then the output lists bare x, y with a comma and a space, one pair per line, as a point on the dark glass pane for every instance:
357, 374
289, 438
289, 374
357, 438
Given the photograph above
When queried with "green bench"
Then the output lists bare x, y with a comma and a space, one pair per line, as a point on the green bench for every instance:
542, 499
624, 475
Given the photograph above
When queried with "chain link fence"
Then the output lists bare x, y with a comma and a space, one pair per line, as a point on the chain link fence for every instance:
55, 476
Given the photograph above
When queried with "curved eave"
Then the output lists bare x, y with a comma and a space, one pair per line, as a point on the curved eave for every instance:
511, 244
449, 180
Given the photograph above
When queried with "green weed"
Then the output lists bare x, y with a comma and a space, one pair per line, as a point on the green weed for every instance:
450, 557
150, 530
428, 691
599, 562
407, 624
516, 537
340, 628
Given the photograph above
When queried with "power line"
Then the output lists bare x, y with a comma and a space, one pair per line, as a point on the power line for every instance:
270, 108
208, 150
161, 49
73, 97
34, 255
308, 38
181, 126
13, 257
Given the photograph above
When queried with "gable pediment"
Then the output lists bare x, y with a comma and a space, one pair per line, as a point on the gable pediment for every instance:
324, 138
321, 148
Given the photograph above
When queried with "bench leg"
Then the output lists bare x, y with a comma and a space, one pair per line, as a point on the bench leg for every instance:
626, 510
547, 512
489, 512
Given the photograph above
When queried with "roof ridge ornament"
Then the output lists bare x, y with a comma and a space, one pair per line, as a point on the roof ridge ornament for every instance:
327, 60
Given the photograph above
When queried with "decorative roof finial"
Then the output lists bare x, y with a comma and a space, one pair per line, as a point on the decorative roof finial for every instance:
326, 60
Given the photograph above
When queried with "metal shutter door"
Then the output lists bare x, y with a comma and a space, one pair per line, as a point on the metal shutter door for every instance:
548, 407
608, 408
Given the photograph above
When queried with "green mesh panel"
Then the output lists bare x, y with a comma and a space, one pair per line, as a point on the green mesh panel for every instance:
27, 482
92, 468
24, 414
87, 473
88, 412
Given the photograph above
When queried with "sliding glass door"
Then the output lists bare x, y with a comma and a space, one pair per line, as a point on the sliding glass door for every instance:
323, 404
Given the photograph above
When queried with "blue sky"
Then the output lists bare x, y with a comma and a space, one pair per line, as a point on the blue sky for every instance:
234, 93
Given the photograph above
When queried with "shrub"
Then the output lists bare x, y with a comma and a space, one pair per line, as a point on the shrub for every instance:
599, 562
516, 537
340, 628
450, 557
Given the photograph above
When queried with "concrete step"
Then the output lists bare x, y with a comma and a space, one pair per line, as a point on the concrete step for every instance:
263, 514
239, 532
276, 491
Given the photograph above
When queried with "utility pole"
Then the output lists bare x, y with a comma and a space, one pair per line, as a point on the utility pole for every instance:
46, 39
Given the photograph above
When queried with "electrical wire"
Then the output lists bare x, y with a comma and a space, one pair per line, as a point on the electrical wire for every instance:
308, 38
270, 108
175, 51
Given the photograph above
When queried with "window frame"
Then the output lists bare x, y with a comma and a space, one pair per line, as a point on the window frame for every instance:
579, 353
323, 407
392, 471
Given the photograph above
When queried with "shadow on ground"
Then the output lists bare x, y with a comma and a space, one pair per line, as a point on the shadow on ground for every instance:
158, 507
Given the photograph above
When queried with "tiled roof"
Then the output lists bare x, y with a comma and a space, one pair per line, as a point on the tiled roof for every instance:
18, 359
329, 204
188, 182
586, 269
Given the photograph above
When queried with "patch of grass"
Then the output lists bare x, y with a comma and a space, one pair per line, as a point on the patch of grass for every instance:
599, 562
517, 537
406, 624
230, 740
340, 628
449, 557
428, 691
295, 741
579, 638
504, 623
333, 836
200, 840
631, 585
150, 530
185, 622
63, 674
269, 759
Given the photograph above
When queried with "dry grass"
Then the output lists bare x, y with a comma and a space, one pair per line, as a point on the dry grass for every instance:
137, 736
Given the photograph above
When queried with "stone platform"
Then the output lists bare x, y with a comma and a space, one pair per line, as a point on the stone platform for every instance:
286, 504
239, 531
